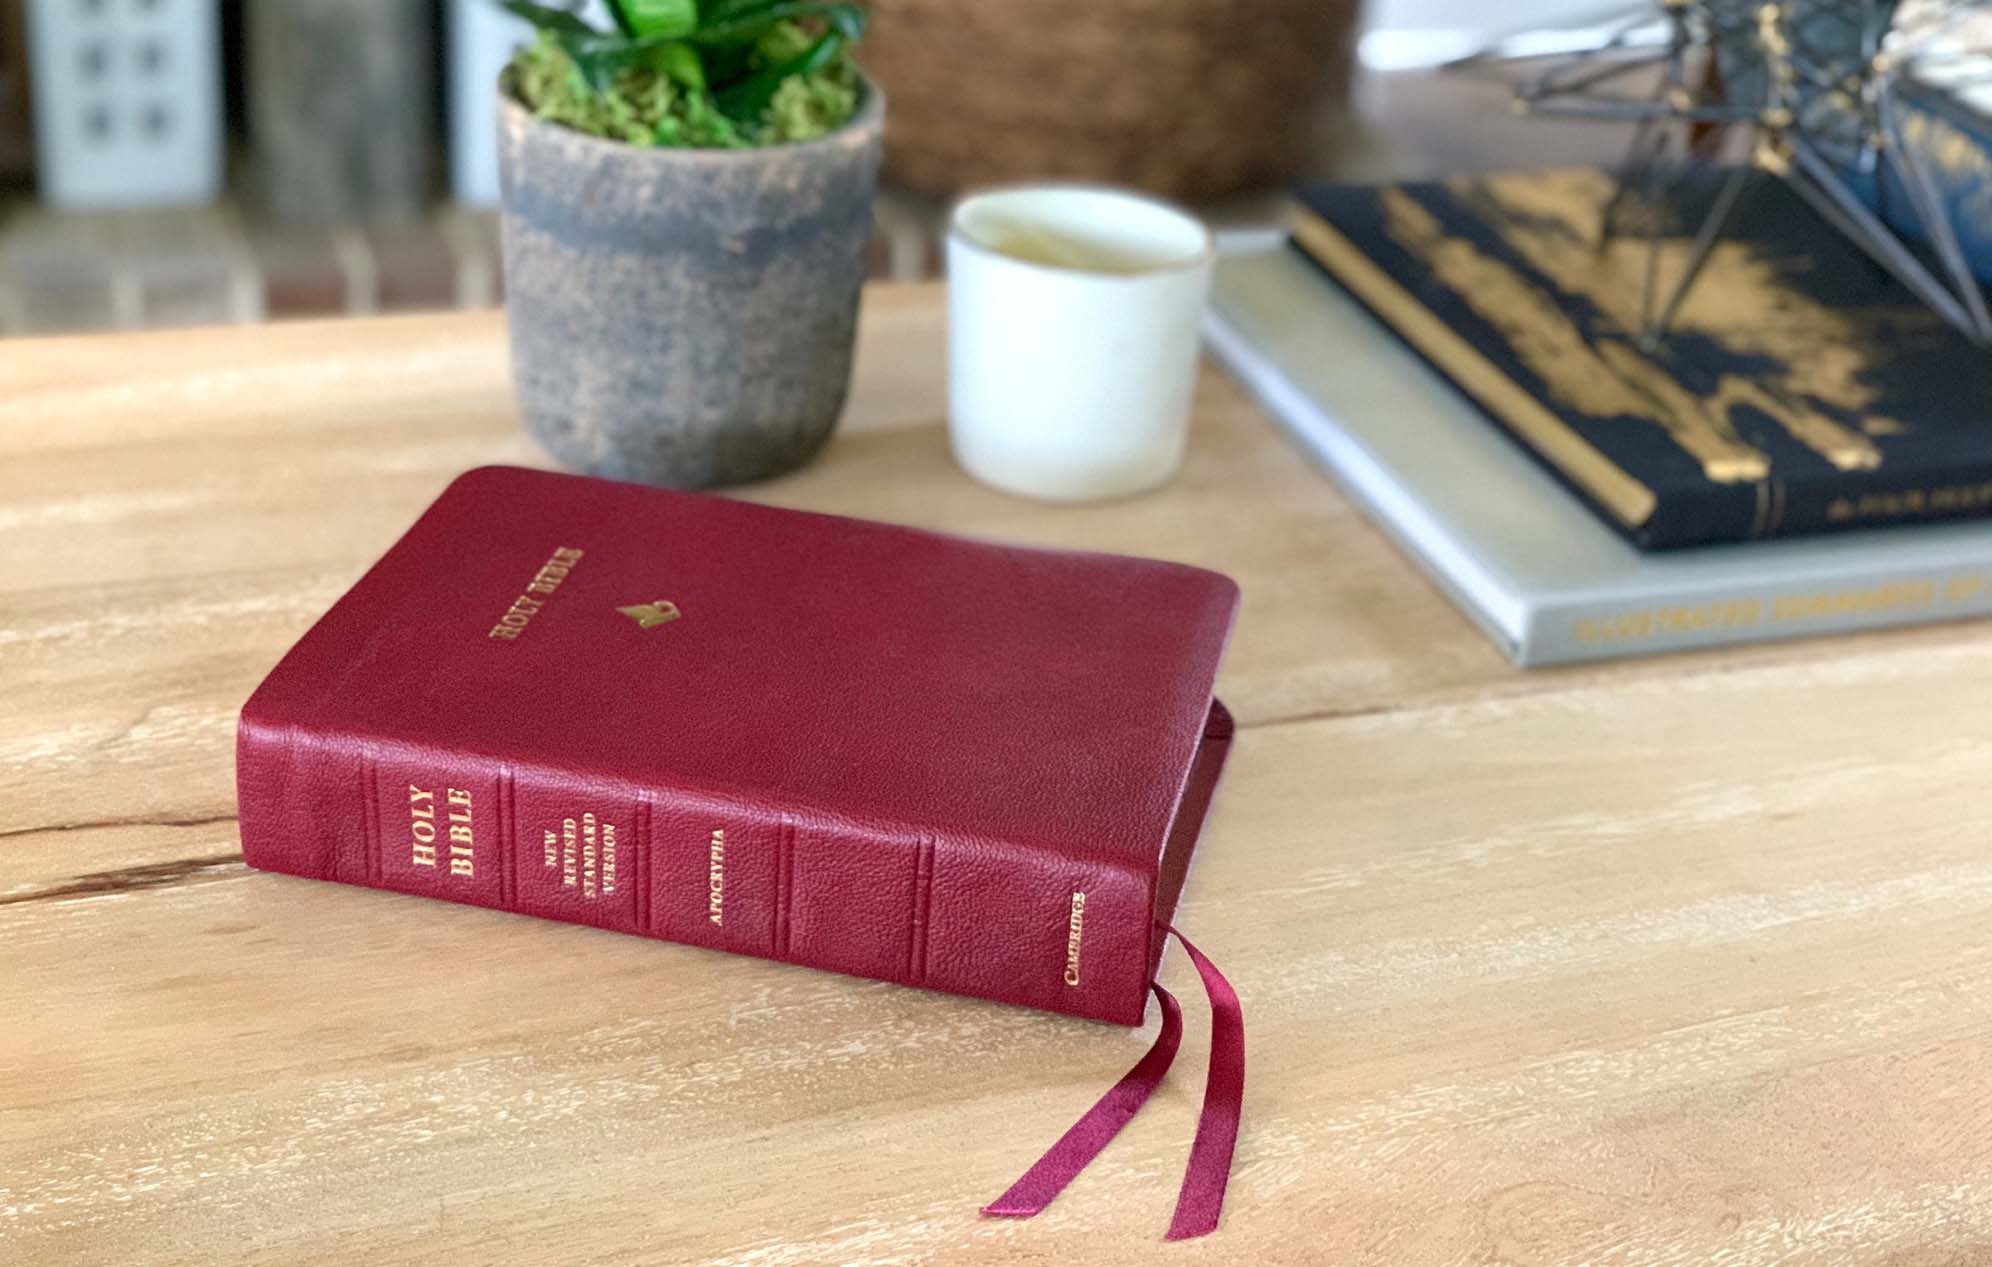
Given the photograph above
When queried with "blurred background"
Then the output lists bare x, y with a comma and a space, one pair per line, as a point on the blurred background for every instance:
172, 162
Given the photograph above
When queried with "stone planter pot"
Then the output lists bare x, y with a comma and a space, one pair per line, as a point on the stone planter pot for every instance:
683, 317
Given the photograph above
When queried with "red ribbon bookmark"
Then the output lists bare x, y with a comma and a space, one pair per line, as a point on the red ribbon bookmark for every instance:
1201, 1199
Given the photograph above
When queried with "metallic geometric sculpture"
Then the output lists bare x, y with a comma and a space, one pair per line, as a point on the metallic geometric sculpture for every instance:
1815, 84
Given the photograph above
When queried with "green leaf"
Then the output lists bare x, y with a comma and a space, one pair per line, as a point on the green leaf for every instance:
681, 62
726, 10
666, 19
600, 58
752, 18
848, 20
546, 17
748, 100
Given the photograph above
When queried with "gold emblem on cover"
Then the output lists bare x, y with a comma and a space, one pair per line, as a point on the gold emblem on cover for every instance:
651, 615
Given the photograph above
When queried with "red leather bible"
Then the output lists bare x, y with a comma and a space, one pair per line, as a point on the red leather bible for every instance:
858, 747
854, 746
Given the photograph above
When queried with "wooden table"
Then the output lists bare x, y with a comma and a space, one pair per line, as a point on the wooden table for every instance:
1681, 962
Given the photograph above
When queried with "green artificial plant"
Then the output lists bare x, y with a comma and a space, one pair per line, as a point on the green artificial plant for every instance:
714, 73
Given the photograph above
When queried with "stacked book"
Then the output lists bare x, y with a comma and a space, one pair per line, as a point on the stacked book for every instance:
1806, 450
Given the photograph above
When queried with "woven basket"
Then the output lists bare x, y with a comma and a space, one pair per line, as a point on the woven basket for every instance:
1189, 98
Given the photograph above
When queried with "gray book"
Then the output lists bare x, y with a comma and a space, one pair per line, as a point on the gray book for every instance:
1516, 551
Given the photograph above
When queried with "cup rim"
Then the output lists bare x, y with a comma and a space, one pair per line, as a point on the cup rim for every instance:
1204, 255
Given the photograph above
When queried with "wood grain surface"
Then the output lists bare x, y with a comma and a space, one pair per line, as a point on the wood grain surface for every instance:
1681, 962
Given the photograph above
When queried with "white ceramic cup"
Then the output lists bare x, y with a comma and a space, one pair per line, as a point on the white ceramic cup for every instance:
1073, 325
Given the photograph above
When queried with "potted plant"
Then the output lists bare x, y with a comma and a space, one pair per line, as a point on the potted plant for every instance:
686, 197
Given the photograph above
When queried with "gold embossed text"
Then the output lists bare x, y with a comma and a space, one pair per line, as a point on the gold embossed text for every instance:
1075, 933
716, 877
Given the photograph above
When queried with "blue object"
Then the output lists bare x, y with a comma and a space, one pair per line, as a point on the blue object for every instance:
1953, 141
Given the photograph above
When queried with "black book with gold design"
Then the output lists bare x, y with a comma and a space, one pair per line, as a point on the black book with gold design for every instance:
1800, 388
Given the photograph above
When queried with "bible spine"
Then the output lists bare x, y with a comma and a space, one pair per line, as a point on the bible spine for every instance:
687, 867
